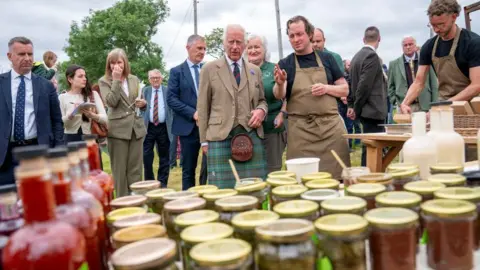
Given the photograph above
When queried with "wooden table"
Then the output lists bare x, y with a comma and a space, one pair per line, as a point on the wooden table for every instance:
375, 142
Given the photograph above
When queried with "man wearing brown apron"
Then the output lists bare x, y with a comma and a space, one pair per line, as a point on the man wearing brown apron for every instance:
311, 80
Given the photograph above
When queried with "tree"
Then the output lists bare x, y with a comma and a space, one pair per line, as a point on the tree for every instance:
62, 80
214, 42
130, 25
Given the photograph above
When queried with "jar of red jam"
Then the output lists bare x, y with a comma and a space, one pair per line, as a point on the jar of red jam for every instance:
93, 152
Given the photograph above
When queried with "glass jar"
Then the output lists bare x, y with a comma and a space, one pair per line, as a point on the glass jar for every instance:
156, 253
449, 179
202, 189
277, 182
122, 213
450, 228
195, 218
320, 195
401, 178
323, 184
400, 199
142, 187
385, 179
155, 199
344, 205
393, 238
136, 220
245, 223
133, 234
173, 209
341, 240
232, 206
424, 188
315, 176
446, 168
287, 193
10, 217
258, 190
473, 178
282, 174
212, 196
129, 201
285, 244
367, 192
396, 167
350, 175
301, 209
249, 180
225, 254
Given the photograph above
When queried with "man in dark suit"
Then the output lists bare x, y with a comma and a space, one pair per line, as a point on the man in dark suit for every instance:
368, 86
29, 108
183, 85
157, 119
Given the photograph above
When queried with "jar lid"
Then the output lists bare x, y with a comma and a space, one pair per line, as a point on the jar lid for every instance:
145, 254
128, 201
219, 193
196, 217
449, 179
136, 220
319, 195
344, 204
251, 219
295, 208
203, 189
282, 173
206, 232
448, 208
285, 231
124, 212
398, 199
423, 187
458, 193
184, 205
137, 233
220, 252
326, 183
379, 178
179, 195
401, 167
158, 193
281, 181
246, 187
341, 225
289, 191
405, 173
447, 167
315, 176
237, 203
145, 185
391, 217
365, 189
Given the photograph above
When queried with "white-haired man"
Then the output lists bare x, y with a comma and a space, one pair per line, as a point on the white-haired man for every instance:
231, 108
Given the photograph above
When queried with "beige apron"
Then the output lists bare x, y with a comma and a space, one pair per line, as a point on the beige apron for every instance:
314, 125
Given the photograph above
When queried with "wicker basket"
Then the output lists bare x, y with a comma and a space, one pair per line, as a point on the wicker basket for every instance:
467, 132
466, 121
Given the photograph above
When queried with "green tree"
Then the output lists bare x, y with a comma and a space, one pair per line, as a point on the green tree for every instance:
62, 80
130, 25
214, 42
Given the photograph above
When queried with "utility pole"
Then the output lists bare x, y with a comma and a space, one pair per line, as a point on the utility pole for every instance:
195, 23
279, 29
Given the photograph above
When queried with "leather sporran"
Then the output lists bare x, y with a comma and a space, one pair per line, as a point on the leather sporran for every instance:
242, 148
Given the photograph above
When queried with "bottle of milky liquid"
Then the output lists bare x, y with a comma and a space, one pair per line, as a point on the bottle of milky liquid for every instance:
420, 149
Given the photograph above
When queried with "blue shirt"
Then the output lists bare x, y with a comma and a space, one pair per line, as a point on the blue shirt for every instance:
161, 105
192, 71
30, 123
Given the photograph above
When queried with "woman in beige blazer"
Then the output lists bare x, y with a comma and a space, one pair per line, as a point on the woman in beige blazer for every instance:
126, 130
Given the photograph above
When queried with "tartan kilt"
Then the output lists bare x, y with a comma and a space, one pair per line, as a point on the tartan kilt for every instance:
219, 170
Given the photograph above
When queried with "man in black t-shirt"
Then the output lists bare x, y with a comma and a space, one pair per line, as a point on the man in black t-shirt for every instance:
454, 53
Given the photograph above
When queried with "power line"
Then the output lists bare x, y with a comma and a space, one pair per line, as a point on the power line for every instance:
187, 13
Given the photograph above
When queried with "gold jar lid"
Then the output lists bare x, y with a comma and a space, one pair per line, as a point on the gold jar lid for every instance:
124, 212
391, 217
158, 193
179, 195
289, 191
250, 187
206, 232
344, 204
447, 167
203, 189
137, 233
285, 231
449, 179
220, 252
379, 178
196, 217
319, 195
405, 173
145, 185
219, 194
145, 254
423, 187
237, 203
458, 193
364, 189
315, 176
136, 220
250, 180
448, 208
128, 201
401, 167
398, 199
184, 205
295, 208
326, 183
282, 173
341, 225
281, 181
251, 219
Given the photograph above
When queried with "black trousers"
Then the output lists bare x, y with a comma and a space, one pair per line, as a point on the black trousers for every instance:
157, 135
7, 175
190, 147
370, 126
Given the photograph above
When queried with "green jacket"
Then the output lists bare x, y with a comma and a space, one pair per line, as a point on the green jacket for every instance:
40, 69
274, 105
338, 59
398, 86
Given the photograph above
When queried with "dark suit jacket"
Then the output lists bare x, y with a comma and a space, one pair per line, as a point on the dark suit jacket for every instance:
147, 95
182, 99
368, 85
48, 117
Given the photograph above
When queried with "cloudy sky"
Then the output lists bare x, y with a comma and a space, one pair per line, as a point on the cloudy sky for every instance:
47, 22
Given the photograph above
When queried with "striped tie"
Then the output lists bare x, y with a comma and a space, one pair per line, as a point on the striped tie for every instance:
236, 72
155, 109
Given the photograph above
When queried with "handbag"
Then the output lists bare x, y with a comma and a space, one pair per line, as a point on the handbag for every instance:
242, 147
96, 128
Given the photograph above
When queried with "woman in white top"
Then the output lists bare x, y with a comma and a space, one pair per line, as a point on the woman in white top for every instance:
79, 92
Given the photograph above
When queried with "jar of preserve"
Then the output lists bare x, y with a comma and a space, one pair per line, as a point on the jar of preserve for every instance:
393, 238
142, 187
424, 189
155, 253
137, 220
341, 239
249, 180
446, 168
350, 175
473, 178
234, 254
155, 199
202, 189
279, 181
301, 209
212, 196
385, 179
323, 184
399, 199
172, 196
202, 233
10, 218
320, 195
245, 223
344, 205
174, 208
367, 192
258, 190
282, 174
195, 218
123, 213
285, 244
449, 179
129, 201
93, 151
232, 206
401, 178
133, 234
316, 176
397, 167
287, 193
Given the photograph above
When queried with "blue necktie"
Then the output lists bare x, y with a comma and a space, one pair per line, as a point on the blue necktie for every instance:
19, 125
236, 72
195, 68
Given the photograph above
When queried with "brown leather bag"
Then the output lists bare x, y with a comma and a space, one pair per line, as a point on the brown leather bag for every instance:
96, 128
242, 147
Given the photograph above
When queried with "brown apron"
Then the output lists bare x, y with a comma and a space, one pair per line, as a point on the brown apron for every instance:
314, 125
451, 79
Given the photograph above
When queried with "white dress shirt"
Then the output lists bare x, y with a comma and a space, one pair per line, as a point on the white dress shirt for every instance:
30, 123
371, 47
161, 105
192, 71
408, 59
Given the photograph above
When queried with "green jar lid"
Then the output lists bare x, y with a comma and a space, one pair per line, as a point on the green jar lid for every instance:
124, 212
326, 183
448, 179
315, 176
202, 189
423, 187
196, 217
219, 194
346, 204
251, 219
281, 181
289, 191
391, 217
459, 193
398, 199
295, 208
220, 252
341, 225
446, 208
364, 190
206, 232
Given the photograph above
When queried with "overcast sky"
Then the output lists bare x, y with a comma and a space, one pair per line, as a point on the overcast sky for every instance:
47, 22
